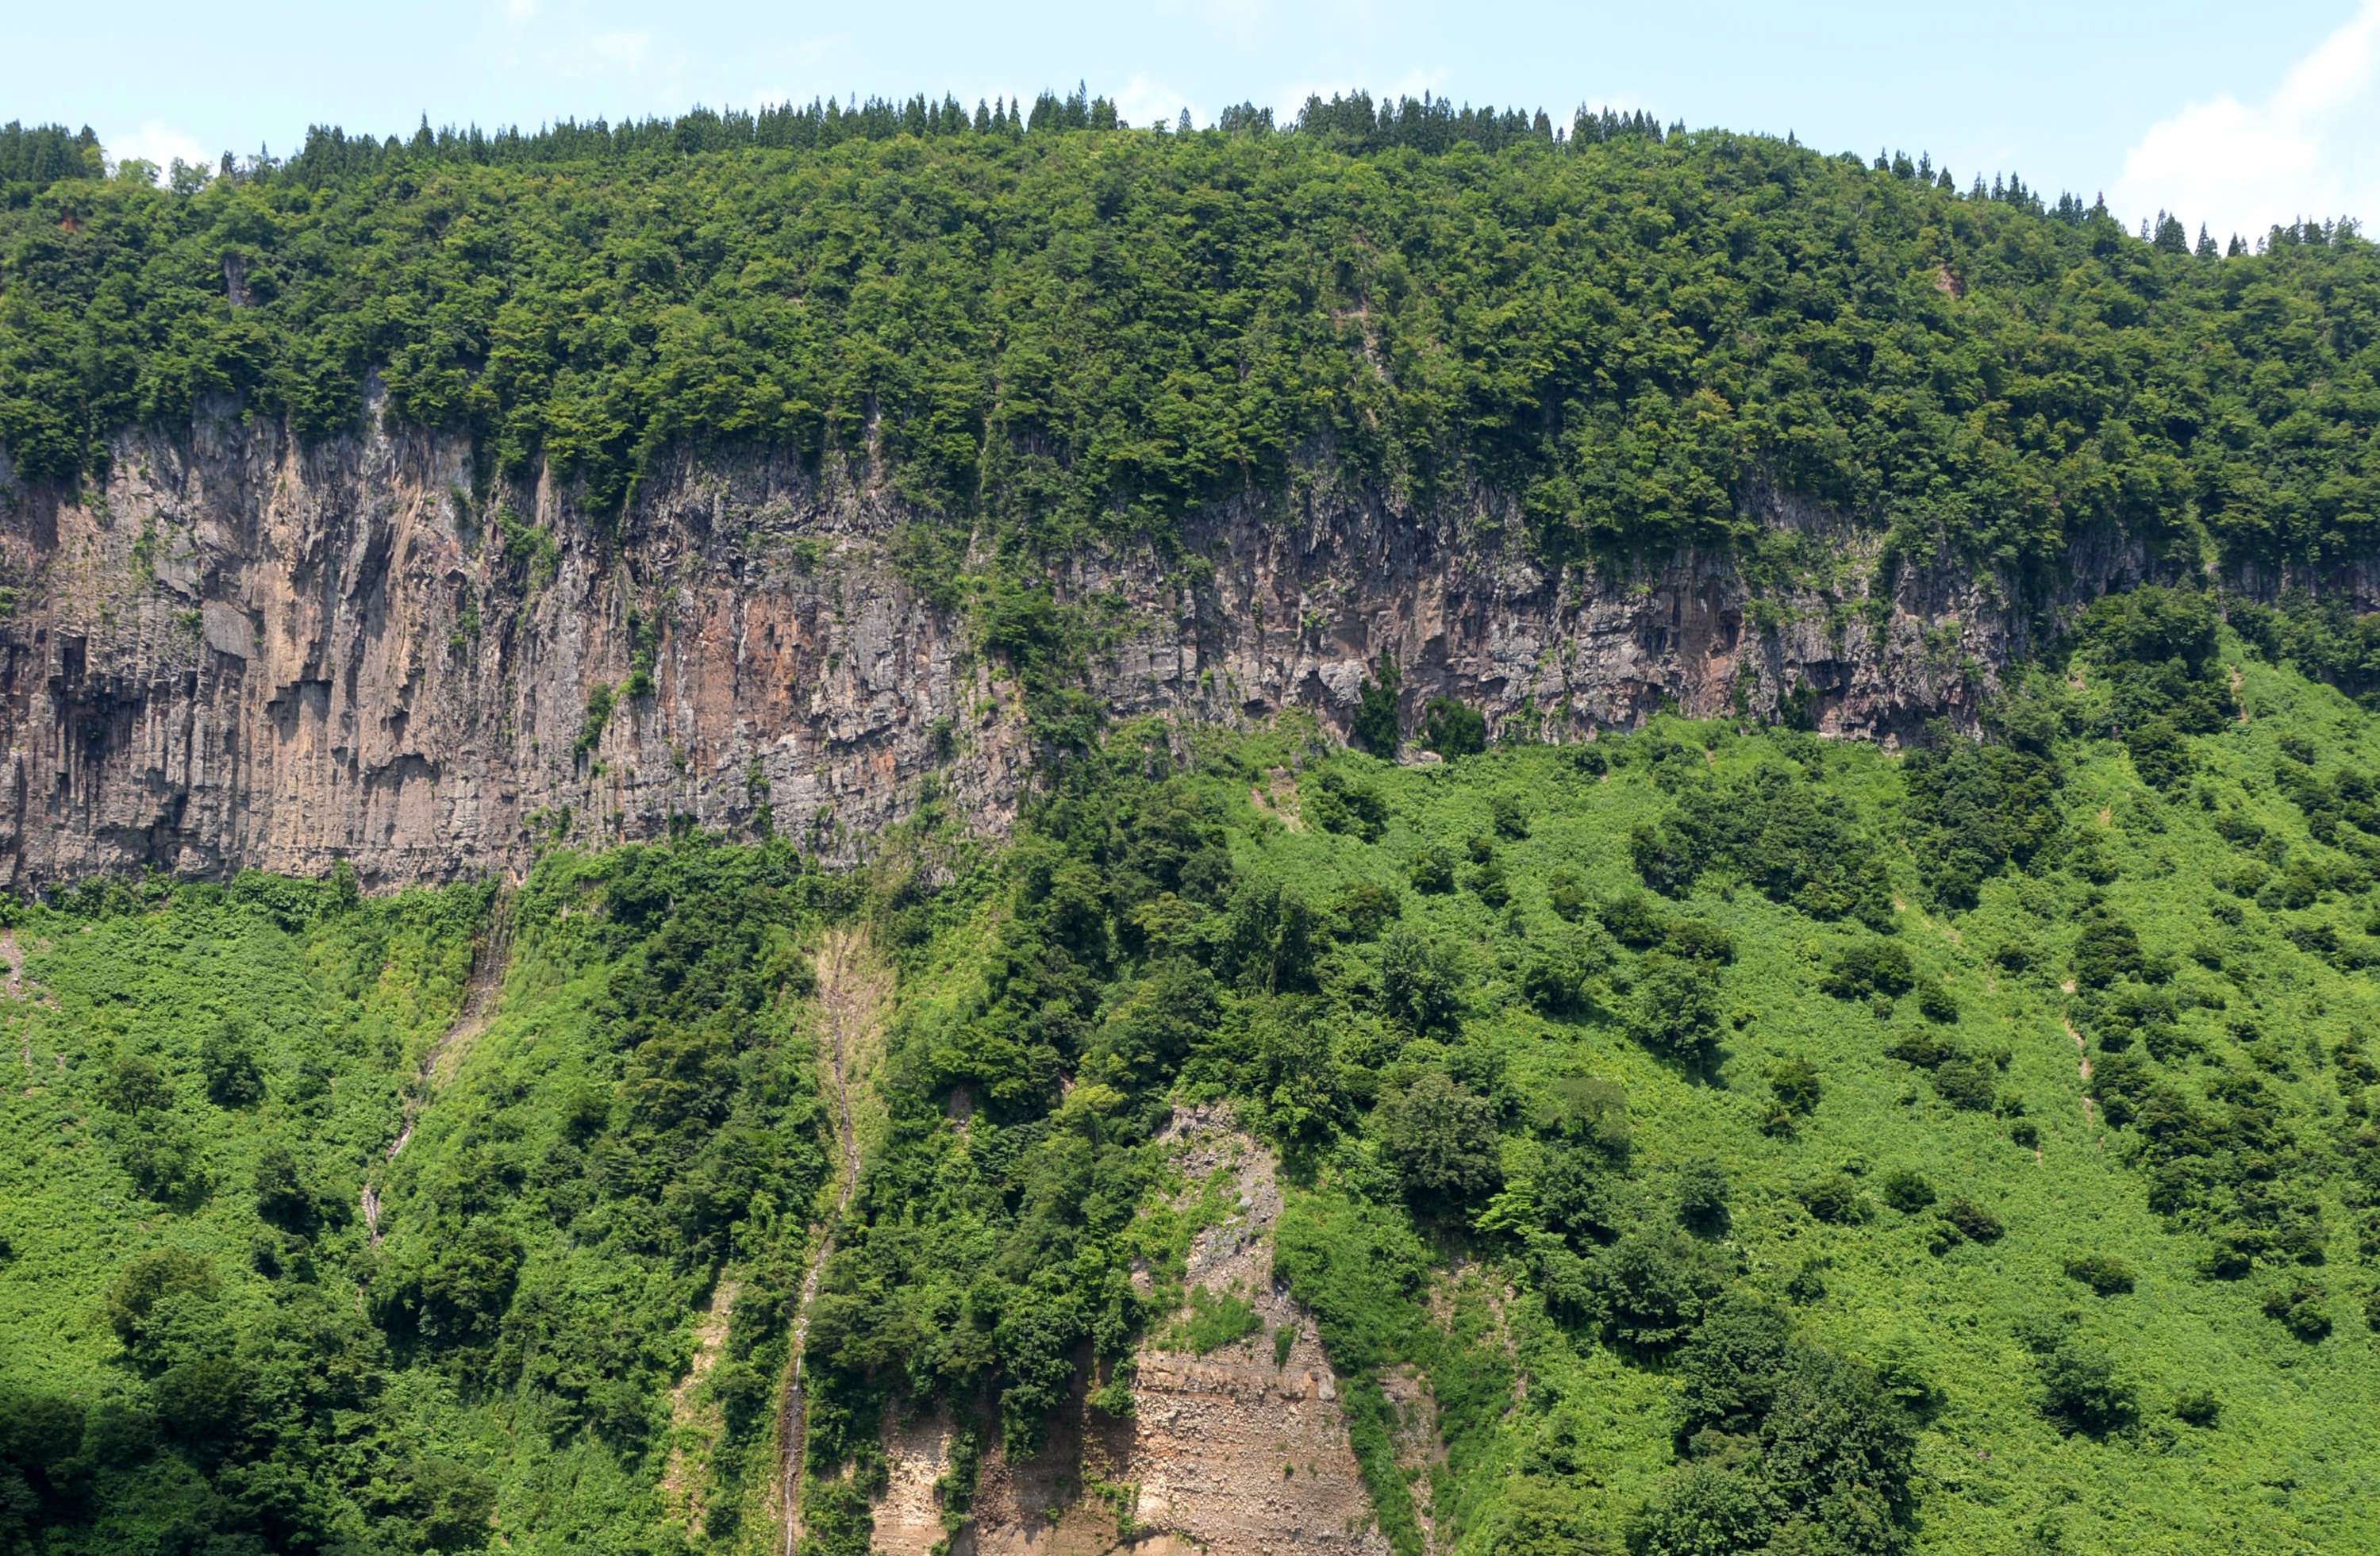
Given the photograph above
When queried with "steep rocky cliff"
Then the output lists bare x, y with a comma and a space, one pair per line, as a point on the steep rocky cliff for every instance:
239, 650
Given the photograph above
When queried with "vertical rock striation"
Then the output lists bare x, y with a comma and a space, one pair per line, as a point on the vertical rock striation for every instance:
238, 652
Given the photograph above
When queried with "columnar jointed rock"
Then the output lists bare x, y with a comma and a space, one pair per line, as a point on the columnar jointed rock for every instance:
238, 651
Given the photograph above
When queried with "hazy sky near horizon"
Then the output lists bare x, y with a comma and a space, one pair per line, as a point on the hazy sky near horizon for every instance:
2232, 114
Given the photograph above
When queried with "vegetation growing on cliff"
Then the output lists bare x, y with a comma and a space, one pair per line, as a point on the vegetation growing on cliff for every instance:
1058, 327
1747, 1204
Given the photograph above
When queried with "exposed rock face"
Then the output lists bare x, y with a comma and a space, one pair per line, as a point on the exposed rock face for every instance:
1231, 1453
242, 653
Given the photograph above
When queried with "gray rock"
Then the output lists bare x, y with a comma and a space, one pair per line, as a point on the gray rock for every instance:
370, 676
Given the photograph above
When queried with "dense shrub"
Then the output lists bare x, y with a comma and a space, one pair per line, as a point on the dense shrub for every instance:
1703, 1193
1442, 1140
163, 1157
1974, 809
1422, 979
1654, 1287
2104, 1273
1559, 972
1815, 1441
1962, 1217
1834, 1197
1839, 1450
1699, 939
1795, 1091
1432, 871
1586, 1109
2303, 1308
1340, 804
1454, 729
1363, 909
1727, 1372
1968, 1081
1566, 893
1675, 1011
1703, 1510
1798, 843
2082, 1392
1907, 1191
1631, 920
2156, 648
1869, 967
1935, 1002
1374, 724
235, 1079
2105, 951
161, 1302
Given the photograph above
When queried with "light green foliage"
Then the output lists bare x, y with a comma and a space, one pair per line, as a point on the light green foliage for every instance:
1899, 1187
1217, 1320
210, 1075
639, 1117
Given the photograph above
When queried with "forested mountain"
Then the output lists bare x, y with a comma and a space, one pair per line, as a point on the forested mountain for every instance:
989, 830
1069, 329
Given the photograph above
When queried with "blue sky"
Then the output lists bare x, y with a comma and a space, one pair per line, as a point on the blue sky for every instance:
2230, 114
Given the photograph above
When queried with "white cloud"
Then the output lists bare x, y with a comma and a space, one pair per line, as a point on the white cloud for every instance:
2310, 150
621, 47
1144, 101
157, 143
1241, 21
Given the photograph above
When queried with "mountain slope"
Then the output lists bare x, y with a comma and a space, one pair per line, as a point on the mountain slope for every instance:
1958, 1149
1250, 718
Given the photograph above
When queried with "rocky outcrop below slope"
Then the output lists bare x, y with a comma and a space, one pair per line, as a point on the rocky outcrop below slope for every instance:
239, 652
1241, 1451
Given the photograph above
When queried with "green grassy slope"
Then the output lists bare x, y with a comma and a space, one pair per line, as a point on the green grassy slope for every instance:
202, 1346
1769, 1208
171, 1057
2293, 1448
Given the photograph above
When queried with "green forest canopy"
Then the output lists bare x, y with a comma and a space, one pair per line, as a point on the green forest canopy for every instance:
1059, 326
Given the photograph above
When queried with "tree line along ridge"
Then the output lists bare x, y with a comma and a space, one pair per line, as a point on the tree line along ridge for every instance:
1063, 329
